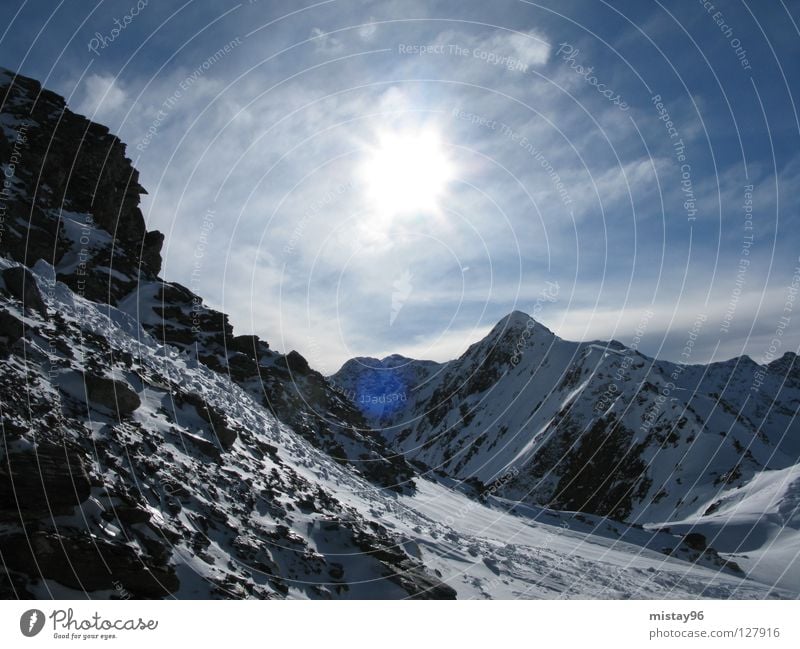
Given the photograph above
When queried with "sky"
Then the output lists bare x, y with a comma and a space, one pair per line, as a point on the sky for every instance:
355, 178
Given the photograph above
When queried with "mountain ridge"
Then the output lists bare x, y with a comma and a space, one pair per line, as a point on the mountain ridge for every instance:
593, 427
141, 435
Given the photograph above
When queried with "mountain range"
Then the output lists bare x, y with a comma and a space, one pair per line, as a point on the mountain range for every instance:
150, 452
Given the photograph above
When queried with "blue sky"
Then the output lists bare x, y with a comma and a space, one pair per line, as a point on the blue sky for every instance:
254, 126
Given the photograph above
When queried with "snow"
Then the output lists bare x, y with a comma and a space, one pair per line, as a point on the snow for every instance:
487, 548
757, 525
553, 394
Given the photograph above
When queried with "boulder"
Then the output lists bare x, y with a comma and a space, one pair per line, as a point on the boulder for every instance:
695, 541
217, 420
112, 395
21, 284
226, 435
131, 514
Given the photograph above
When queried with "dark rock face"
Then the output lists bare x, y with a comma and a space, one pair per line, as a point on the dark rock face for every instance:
20, 283
87, 564
695, 541
249, 345
112, 395
218, 421
184, 321
406, 573
82, 169
11, 329
49, 480
788, 368
151, 252
295, 363
604, 475
422, 585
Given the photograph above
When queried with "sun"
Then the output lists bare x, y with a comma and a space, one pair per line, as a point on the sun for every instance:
406, 172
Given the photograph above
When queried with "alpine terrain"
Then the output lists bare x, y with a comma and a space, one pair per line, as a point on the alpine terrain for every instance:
148, 451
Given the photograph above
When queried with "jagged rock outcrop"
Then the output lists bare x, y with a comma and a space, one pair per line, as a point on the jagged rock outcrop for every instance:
298, 395
72, 192
20, 283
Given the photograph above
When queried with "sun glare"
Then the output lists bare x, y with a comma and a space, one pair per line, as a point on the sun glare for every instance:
406, 172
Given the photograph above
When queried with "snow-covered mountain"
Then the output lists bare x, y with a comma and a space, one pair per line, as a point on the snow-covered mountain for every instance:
147, 451
597, 428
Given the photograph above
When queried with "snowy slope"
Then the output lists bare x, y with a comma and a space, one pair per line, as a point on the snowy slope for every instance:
268, 514
757, 526
594, 427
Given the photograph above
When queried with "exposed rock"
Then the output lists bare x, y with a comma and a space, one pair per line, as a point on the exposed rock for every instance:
592, 477
111, 394
11, 328
420, 584
695, 541
151, 251
5, 146
86, 172
21, 284
248, 344
295, 362
408, 573
186, 321
14, 586
242, 367
50, 480
206, 447
130, 514
88, 564
226, 435
217, 420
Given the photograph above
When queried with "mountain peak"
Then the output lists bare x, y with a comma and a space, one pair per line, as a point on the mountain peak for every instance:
515, 323
517, 316
393, 360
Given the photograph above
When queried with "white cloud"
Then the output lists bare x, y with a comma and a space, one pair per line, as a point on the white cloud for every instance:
440, 347
531, 47
334, 299
102, 98
324, 42
367, 31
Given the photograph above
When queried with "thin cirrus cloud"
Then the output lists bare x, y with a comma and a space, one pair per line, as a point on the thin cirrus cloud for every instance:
552, 181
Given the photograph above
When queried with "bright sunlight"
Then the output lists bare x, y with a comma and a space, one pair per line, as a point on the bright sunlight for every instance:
406, 172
